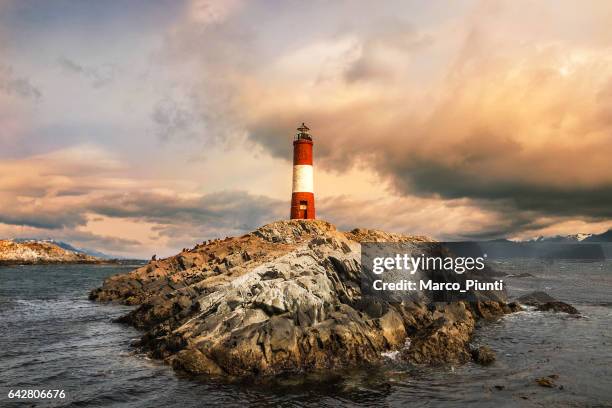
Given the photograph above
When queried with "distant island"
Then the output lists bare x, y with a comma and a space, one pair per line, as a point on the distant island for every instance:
31, 252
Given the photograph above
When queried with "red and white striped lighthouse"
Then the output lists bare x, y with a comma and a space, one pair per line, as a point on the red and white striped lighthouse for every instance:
302, 196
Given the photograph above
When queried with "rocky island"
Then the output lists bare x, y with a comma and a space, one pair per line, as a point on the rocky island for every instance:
31, 252
287, 298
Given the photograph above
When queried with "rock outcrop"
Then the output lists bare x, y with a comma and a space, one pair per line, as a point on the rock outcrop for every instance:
546, 303
285, 298
39, 252
483, 355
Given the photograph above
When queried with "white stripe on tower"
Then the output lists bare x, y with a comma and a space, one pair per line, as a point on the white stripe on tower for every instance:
303, 178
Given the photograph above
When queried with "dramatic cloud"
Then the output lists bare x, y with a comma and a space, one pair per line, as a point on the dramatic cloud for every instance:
67, 190
511, 131
463, 110
146, 127
222, 212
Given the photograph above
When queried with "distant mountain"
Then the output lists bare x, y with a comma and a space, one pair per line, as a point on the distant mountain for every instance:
20, 252
68, 247
575, 246
605, 237
563, 238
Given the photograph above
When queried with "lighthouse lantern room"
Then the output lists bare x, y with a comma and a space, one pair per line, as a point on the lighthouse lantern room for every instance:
302, 197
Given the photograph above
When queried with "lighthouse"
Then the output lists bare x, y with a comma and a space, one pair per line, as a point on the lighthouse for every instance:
302, 194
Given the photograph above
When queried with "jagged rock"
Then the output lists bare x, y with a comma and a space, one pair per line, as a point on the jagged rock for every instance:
558, 307
294, 303
545, 382
545, 303
515, 307
535, 298
490, 309
483, 355
445, 340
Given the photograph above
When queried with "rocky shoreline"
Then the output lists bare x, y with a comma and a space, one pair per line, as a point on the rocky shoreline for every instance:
287, 298
41, 253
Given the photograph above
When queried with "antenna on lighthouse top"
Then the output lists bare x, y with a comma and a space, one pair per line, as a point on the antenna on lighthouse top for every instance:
302, 132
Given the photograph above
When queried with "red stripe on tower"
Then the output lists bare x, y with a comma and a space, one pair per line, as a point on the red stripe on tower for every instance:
302, 197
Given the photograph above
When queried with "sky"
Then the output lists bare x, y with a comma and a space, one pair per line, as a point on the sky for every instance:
140, 127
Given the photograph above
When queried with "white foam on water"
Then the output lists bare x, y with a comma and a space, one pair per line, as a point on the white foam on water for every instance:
391, 355
394, 354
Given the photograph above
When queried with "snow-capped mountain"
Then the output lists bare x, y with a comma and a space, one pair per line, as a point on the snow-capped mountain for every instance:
564, 238
580, 237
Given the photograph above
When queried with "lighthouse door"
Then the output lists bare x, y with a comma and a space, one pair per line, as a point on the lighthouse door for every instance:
304, 210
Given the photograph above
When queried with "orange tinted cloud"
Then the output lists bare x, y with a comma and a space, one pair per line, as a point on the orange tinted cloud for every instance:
483, 119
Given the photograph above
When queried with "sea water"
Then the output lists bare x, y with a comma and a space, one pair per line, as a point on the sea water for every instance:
54, 338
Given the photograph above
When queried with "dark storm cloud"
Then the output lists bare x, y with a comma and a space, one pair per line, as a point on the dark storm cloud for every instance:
486, 107
47, 218
425, 177
529, 139
445, 220
491, 103
231, 209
